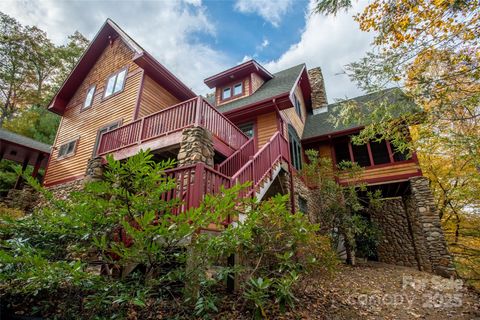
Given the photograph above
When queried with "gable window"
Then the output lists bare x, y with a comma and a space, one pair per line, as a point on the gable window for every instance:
247, 129
298, 105
103, 130
227, 93
67, 149
115, 83
89, 97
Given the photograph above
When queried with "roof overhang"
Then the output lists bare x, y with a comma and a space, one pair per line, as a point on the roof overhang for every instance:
160, 74
304, 83
330, 135
107, 33
278, 102
238, 72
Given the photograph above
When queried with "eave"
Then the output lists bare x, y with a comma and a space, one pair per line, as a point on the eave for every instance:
238, 72
281, 101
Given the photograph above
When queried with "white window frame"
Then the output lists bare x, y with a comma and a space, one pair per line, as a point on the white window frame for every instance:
114, 78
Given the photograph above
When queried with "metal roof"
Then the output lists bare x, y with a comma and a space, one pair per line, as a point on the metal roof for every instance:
12, 137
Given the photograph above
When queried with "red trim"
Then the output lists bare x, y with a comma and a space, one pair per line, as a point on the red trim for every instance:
65, 180
327, 136
231, 87
161, 75
389, 179
250, 86
370, 156
259, 107
239, 71
390, 153
304, 87
139, 96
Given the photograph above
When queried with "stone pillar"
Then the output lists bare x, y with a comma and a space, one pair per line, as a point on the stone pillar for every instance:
196, 146
429, 239
94, 170
395, 245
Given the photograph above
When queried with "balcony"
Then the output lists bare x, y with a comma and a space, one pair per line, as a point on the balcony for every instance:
163, 130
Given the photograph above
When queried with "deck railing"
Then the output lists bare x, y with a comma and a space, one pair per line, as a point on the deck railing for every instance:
262, 164
193, 182
233, 163
193, 112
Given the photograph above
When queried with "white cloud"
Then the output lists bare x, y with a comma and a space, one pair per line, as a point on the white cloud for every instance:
166, 29
271, 11
331, 43
265, 43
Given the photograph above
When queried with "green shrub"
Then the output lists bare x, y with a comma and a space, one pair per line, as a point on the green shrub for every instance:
117, 249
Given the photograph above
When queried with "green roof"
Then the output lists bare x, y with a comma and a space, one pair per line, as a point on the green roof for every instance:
282, 82
23, 141
319, 125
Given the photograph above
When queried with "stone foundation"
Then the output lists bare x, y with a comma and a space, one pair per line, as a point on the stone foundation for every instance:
396, 244
411, 231
196, 146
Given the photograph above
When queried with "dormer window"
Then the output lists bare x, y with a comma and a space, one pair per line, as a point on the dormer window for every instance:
232, 91
237, 89
226, 93
89, 98
115, 83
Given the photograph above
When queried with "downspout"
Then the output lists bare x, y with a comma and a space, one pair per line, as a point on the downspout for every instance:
292, 190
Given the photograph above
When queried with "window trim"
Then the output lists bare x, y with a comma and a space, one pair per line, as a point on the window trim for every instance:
299, 111
116, 73
71, 154
232, 87
372, 162
97, 137
83, 108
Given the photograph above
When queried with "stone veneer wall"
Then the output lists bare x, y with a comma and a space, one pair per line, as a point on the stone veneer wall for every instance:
319, 96
396, 243
428, 235
196, 146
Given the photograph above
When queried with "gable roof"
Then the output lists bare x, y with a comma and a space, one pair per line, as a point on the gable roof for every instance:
238, 72
318, 125
281, 83
15, 138
109, 31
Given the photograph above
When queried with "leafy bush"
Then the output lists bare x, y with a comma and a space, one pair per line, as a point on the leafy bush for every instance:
117, 249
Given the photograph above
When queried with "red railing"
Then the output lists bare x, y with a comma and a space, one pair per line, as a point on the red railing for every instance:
262, 164
233, 163
193, 182
189, 113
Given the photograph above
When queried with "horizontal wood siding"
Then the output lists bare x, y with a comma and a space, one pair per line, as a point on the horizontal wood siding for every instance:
291, 115
257, 82
84, 124
154, 98
266, 127
388, 173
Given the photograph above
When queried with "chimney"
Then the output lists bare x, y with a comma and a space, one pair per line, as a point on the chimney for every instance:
319, 96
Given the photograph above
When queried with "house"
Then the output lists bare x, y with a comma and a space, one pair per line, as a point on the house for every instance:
254, 127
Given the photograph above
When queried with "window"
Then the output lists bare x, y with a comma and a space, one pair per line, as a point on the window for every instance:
89, 98
379, 152
101, 131
227, 93
298, 105
67, 149
295, 148
237, 89
360, 155
248, 129
115, 83
400, 156
302, 205
232, 91
342, 153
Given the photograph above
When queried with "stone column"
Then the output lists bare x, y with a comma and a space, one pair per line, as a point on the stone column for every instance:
429, 239
196, 146
94, 170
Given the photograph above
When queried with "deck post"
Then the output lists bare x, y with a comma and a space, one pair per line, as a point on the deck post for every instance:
24, 167
38, 161
197, 184
198, 114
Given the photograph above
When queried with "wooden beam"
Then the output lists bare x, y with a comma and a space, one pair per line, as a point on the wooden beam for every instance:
24, 167
38, 162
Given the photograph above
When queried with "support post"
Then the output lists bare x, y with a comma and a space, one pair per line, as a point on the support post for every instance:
24, 167
38, 162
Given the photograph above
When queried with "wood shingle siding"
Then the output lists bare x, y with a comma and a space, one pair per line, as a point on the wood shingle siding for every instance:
84, 124
154, 98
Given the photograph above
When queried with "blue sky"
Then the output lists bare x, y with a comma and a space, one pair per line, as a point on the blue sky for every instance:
198, 38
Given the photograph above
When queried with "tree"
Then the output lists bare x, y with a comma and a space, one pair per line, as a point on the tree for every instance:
340, 206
